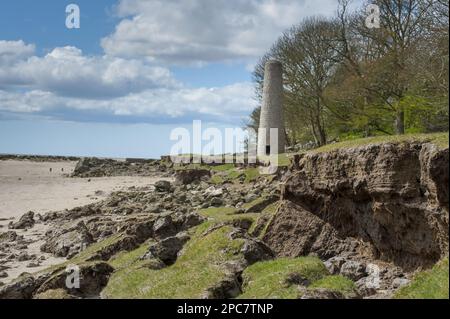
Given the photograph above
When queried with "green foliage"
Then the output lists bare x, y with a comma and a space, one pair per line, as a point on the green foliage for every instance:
342, 81
430, 284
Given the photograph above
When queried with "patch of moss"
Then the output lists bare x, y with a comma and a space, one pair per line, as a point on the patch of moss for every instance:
429, 284
268, 279
440, 139
199, 267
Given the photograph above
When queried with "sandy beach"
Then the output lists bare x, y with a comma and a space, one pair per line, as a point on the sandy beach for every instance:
45, 186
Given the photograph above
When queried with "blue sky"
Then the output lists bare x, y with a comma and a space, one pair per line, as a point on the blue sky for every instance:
135, 70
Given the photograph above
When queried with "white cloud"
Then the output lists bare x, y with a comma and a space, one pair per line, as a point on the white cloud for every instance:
224, 104
201, 31
12, 51
67, 72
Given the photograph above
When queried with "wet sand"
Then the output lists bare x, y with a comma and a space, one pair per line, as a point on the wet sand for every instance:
42, 187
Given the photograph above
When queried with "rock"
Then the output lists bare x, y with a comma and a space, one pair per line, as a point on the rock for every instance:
33, 264
227, 288
365, 287
3, 274
164, 227
386, 200
93, 278
23, 287
216, 202
250, 198
353, 270
255, 250
334, 264
167, 249
9, 236
321, 293
163, 186
25, 222
400, 282
23, 256
188, 176
68, 242
296, 279
214, 192
258, 205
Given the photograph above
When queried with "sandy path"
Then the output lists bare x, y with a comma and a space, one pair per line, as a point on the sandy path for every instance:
26, 185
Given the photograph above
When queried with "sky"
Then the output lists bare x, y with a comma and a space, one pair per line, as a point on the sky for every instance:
133, 72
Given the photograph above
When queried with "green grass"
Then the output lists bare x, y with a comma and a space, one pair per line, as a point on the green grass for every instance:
251, 174
198, 268
430, 284
226, 214
267, 279
283, 159
217, 179
126, 259
222, 168
440, 139
335, 283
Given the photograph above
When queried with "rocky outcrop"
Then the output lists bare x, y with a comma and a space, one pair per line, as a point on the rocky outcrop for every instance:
25, 222
188, 176
384, 202
97, 167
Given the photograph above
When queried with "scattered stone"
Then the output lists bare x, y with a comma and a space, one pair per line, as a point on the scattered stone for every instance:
321, 293
25, 222
354, 270
216, 202
23, 256
163, 186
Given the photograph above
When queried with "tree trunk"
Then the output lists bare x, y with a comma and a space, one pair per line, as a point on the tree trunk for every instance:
400, 122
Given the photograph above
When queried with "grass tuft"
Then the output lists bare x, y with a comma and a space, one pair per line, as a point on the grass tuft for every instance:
429, 284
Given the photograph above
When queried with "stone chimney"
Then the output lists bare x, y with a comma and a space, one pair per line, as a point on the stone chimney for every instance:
272, 111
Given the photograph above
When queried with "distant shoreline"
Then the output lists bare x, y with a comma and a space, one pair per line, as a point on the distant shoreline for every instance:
62, 158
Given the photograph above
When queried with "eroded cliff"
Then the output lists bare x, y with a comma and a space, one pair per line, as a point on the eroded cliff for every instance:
385, 202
